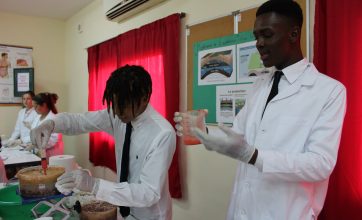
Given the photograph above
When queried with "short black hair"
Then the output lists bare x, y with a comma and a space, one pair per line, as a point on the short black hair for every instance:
287, 8
130, 84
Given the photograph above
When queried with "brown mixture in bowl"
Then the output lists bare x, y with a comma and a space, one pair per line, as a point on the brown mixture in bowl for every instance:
98, 210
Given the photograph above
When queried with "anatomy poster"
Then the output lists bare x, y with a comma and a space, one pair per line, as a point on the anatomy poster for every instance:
12, 57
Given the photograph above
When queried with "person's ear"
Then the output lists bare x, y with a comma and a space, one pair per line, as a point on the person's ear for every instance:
294, 35
146, 98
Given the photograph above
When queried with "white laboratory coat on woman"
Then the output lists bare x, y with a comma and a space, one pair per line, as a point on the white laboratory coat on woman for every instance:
297, 138
153, 143
55, 144
3, 178
23, 123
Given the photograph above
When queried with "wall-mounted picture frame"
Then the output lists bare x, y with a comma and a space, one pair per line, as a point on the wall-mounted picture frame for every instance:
13, 57
23, 81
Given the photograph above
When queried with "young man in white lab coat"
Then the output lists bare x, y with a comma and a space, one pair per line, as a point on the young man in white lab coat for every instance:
288, 147
153, 143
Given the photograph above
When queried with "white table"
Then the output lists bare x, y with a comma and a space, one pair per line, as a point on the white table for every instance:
16, 158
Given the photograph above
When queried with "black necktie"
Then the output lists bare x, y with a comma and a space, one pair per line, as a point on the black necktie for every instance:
124, 210
274, 89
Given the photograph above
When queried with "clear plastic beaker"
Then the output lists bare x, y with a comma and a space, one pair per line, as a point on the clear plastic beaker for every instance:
192, 119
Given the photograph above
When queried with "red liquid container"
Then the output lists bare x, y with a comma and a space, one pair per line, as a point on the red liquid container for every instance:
193, 118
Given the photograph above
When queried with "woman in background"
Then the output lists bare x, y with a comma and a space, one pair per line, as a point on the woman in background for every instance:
3, 178
44, 105
26, 116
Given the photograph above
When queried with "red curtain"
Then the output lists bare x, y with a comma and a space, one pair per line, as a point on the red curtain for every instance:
337, 52
154, 46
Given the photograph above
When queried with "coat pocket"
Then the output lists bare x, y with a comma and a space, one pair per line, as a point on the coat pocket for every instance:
291, 134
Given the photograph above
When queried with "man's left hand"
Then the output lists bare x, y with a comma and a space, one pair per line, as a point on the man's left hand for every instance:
78, 179
233, 145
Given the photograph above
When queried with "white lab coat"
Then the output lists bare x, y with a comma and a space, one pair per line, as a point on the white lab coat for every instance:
297, 138
3, 178
21, 131
153, 143
55, 144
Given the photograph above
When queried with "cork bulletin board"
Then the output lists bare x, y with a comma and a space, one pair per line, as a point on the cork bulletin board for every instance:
212, 32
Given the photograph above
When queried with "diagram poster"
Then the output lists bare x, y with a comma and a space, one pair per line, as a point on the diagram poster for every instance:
230, 100
12, 57
217, 66
249, 63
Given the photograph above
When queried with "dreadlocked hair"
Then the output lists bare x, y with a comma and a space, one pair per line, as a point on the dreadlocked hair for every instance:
129, 84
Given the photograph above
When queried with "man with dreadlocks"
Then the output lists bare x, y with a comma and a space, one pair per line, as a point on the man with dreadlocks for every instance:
152, 145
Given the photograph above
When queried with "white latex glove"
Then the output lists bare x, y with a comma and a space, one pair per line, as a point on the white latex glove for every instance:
233, 145
40, 135
13, 143
177, 119
77, 179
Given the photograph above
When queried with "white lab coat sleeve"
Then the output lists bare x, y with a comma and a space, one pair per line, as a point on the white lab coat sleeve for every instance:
76, 123
26, 139
153, 176
16, 133
319, 158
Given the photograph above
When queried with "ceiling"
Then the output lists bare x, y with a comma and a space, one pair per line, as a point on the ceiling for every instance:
57, 9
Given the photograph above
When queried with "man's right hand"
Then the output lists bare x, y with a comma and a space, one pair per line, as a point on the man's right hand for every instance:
233, 145
41, 134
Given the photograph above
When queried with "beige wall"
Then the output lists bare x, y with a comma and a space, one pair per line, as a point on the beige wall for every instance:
46, 36
206, 195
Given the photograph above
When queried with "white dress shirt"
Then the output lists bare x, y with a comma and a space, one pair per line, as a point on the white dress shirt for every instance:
21, 130
297, 139
153, 143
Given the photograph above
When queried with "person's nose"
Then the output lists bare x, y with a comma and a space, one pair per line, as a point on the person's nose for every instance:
259, 42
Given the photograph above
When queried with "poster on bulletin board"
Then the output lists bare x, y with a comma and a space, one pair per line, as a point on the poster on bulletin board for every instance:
224, 69
16, 73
